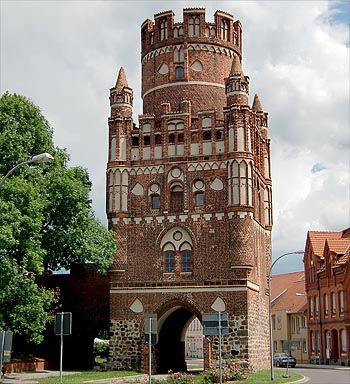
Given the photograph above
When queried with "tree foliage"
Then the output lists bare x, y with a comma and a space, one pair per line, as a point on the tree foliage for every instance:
46, 219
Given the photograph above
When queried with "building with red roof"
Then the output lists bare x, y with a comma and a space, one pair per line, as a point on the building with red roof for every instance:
289, 306
327, 282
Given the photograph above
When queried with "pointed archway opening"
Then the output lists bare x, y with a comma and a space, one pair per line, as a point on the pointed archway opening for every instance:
171, 342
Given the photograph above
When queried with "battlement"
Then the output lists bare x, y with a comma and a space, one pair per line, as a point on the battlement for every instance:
194, 27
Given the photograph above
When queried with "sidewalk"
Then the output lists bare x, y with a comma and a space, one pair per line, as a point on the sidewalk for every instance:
322, 366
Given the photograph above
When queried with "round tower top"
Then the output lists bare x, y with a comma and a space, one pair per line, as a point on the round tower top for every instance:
163, 31
182, 60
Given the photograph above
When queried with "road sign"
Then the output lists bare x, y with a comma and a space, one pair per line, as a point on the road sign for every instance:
151, 324
63, 323
211, 323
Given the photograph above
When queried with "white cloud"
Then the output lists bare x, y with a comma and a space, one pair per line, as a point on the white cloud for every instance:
65, 57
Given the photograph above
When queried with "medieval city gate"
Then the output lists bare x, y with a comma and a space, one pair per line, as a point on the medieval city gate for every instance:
189, 195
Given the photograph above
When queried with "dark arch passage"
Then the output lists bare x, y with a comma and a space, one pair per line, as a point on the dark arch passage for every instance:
171, 349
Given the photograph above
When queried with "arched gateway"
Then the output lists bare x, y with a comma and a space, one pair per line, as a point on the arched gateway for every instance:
189, 196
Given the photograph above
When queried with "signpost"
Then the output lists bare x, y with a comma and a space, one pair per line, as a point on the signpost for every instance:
5, 348
151, 329
63, 327
216, 324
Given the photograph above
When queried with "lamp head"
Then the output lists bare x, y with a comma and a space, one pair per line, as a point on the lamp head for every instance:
41, 158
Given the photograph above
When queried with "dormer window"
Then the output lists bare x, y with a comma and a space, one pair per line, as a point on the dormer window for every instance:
193, 26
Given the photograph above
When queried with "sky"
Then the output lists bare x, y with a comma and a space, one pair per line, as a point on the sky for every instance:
65, 56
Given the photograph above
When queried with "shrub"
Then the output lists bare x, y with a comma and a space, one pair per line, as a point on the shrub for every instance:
232, 372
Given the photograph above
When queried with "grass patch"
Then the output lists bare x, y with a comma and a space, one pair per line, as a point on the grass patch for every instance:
262, 377
86, 376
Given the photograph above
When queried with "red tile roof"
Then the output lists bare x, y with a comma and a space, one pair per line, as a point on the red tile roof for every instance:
288, 292
338, 246
318, 240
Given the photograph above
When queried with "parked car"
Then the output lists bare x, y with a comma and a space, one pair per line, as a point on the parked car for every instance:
284, 360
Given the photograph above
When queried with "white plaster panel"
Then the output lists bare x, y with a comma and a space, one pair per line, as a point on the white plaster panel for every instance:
164, 69
219, 216
206, 122
146, 127
158, 152
122, 148
177, 242
146, 153
197, 66
113, 148
207, 216
148, 219
217, 184
206, 149
137, 220
196, 217
231, 140
194, 149
183, 218
136, 306
137, 190
240, 139
220, 147
135, 154
267, 168
219, 305
180, 150
171, 150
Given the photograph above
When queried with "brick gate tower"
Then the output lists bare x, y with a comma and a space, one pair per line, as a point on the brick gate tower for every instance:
189, 196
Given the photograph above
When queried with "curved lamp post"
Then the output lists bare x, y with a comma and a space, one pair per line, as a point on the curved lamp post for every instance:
37, 159
270, 308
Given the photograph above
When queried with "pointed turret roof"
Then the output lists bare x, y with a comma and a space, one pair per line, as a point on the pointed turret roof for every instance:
256, 104
121, 81
236, 68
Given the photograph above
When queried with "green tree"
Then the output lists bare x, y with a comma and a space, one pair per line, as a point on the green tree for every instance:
46, 219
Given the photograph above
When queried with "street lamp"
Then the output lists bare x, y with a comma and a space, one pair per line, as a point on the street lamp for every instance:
270, 308
37, 159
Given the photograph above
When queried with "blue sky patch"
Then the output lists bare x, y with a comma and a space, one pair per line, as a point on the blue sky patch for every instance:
317, 168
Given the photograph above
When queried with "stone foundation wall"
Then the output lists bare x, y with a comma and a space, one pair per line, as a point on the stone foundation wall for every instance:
125, 345
258, 331
234, 345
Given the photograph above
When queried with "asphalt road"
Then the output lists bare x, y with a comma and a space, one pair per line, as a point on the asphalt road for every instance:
325, 375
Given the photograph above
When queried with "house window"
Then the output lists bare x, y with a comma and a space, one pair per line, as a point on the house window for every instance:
334, 304
177, 199
199, 199
343, 340
163, 30
326, 307
341, 301
155, 201
312, 337
219, 134
275, 346
316, 306
193, 26
179, 72
180, 137
279, 322
304, 346
186, 261
169, 261
274, 323
311, 307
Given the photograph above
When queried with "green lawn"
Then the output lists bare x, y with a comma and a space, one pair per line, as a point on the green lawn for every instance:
263, 377
86, 376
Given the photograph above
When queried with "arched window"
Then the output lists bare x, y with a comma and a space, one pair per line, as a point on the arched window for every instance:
186, 261
341, 301
163, 30
179, 72
177, 198
224, 30
155, 201
169, 261
193, 26
199, 198
179, 55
